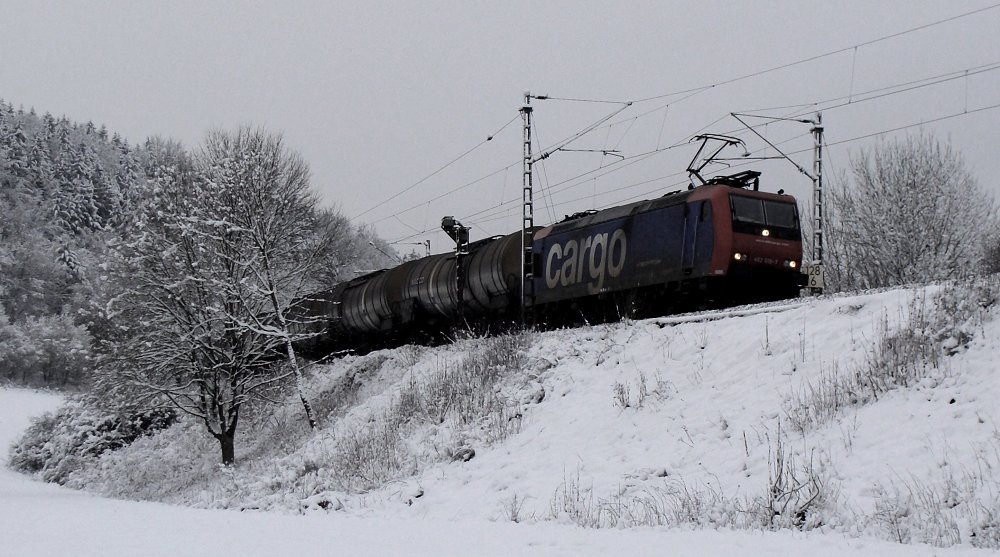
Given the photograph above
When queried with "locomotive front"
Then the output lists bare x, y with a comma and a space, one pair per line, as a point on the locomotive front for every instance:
758, 251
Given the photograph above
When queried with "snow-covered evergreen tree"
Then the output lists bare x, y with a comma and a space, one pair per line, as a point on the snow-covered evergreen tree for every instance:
59, 189
16, 155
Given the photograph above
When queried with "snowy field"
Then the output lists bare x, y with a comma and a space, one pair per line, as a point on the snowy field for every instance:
610, 420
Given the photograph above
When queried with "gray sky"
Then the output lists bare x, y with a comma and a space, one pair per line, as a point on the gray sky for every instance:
378, 95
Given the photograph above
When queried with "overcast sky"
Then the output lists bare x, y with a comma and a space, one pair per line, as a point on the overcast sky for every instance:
378, 95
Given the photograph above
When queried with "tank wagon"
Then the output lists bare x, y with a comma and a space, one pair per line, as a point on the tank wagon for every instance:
714, 245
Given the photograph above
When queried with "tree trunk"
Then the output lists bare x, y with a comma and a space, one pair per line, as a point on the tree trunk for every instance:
298, 380
227, 441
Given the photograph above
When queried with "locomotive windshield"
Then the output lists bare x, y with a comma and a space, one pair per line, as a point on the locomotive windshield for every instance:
750, 214
748, 210
780, 215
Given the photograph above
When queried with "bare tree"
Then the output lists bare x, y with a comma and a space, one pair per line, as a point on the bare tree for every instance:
913, 213
214, 258
284, 240
357, 250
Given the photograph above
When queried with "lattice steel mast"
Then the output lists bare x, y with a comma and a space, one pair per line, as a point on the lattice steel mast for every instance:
817, 131
527, 218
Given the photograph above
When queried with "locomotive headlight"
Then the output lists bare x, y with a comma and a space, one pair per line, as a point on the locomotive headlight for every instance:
765, 232
793, 264
738, 256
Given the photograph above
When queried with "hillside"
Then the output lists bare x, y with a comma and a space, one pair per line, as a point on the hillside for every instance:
866, 415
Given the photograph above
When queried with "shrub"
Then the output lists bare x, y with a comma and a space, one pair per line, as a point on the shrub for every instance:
915, 213
798, 495
464, 397
57, 444
942, 512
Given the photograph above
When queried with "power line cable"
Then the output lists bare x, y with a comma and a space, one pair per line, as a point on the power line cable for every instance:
819, 56
629, 160
564, 142
548, 203
447, 193
888, 90
894, 89
544, 154
432, 174
601, 101
973, 70
922, 123
697, 90
826, 144
891, 130
885, 91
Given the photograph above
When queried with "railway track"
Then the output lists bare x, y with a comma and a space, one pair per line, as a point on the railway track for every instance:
725, 313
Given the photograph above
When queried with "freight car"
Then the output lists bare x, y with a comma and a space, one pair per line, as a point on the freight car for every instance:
420, 300
721, 243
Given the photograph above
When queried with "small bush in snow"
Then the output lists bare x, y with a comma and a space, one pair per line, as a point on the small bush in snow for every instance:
674, 503
58, 444
797, 495
333, 400
371, 456
621, 395
944, 511
796, 492
160, 467
466, 397
512, 508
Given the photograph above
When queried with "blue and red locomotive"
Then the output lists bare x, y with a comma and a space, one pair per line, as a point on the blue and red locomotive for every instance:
722, 243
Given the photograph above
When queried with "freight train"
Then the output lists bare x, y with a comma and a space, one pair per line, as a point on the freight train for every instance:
717, 244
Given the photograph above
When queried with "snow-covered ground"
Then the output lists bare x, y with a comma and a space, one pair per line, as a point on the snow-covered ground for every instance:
612, 418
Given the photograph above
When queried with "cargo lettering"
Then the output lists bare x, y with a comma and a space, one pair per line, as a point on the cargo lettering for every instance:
590, 259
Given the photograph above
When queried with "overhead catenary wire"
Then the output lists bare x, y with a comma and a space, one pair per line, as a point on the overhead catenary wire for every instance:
571, 99
584, 177
908, 126
795, 152
629, 160
608, 169
544, 154
809, 106
882, 92
447, 193
699, 89
542, 182
564, 142
702, 88
875, 93
614, 166
438, 171
773, 146
852, 98
893, 130
848, 140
